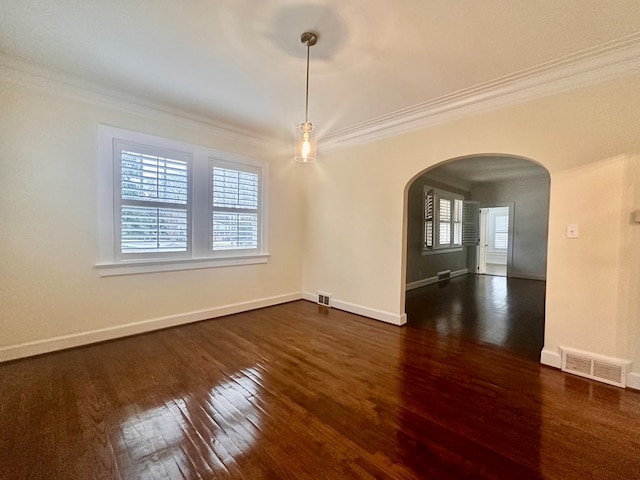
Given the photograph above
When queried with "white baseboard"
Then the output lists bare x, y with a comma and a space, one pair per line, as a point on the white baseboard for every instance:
529, 276
554, 359
381, 315
633, 380
431, 280
551, 358
29, 349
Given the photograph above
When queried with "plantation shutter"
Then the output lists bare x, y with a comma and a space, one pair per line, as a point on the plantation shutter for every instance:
428, 218
501, 232
444, 221
235, 212
470, 223
153, 203
457, 221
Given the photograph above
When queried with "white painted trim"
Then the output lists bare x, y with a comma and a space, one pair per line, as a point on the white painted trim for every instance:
131, 268
38, 347
421, 283
373, 313
529, 276
594, 357
608, 61
633, 381
431, 280
551, 358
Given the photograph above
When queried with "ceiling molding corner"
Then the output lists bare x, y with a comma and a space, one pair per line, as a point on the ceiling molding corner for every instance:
608, 61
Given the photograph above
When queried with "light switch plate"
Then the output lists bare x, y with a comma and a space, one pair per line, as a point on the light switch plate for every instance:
573, 231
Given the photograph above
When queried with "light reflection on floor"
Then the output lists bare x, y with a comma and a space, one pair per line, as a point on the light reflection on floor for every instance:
194, 433
495, 328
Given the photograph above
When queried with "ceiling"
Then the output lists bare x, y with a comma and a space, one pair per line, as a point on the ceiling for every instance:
467, 172
240, 64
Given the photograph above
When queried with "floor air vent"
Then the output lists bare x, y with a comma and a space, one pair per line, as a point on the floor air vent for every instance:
324, 299
608, 370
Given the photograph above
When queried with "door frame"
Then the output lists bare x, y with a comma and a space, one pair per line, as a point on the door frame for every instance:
482, 235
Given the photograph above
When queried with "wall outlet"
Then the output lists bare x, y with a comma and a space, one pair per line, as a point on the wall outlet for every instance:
573, 230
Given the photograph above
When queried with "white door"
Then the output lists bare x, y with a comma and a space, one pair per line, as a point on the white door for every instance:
493, 246
482, 242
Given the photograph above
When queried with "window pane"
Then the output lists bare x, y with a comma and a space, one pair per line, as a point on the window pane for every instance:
501, 232
445, 234
457, 210
428, 219
444, 211
150, 178
235, 230
153, 230
235, 209
457, 233
235, 189
457, 221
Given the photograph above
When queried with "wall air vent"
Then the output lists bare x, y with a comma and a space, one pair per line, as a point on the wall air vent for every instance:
443, 275
324, 299
596, 367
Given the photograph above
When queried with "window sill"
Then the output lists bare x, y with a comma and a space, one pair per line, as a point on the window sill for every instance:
438, 251
151, 266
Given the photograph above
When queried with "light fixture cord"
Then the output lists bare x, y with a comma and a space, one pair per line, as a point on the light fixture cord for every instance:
306, 105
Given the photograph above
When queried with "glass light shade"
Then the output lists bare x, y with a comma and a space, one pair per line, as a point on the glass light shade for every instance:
305, 143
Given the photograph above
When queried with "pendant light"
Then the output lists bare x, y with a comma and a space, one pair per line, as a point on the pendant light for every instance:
305, 132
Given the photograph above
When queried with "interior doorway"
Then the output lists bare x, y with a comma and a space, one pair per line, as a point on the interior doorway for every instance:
476, 241
493, 242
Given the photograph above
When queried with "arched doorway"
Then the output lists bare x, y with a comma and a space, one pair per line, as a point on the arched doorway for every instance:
449, 285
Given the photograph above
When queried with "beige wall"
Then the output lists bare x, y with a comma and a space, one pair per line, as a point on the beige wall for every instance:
48, 228
355, 245
344, 236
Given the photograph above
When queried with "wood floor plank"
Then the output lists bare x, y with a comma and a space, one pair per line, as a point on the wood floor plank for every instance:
294, 392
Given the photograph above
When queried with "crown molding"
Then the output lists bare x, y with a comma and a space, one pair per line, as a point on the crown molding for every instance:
608, 61
22, 72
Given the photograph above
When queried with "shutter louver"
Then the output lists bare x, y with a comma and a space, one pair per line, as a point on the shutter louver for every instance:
457, 221
428, 219
470, 216
235, 209
501, 240
444, 219
154, 194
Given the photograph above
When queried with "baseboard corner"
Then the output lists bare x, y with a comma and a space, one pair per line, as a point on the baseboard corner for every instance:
551, 358
633, 380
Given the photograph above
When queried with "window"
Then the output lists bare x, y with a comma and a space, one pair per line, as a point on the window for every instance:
501, 231
235, 207
153, 205
442, 219
167, 205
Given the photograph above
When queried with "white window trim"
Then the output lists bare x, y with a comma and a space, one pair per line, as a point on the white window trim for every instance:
202, 256
437, 248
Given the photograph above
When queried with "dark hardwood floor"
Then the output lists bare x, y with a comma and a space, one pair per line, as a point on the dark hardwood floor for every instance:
500, 311
297, 392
